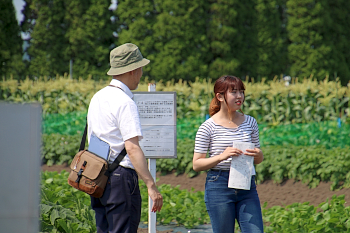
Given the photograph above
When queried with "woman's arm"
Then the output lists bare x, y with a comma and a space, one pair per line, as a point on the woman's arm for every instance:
201, 163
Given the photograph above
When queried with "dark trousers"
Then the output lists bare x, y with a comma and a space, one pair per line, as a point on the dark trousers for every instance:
119, 209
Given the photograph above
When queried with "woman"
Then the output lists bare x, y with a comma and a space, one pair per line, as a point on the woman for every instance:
216, 135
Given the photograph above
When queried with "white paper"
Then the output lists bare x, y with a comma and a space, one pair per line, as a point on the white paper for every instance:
241, 167
156, 109
158, 140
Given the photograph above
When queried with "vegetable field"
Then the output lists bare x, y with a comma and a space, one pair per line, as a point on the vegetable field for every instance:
304, 132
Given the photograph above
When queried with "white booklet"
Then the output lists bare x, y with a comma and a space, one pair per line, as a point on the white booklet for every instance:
99, 147
241, 167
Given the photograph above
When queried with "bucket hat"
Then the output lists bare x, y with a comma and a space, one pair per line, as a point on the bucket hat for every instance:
125, 58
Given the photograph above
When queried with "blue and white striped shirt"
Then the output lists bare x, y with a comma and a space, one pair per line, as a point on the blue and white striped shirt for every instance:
216, 138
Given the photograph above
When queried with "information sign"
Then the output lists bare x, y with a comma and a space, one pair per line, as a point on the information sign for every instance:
157, 112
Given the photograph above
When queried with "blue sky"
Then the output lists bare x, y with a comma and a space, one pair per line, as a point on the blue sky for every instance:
19, 4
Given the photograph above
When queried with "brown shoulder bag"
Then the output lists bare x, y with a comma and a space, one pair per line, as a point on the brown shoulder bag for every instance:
90, 172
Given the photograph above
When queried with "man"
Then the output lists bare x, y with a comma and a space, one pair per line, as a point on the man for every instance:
113, 117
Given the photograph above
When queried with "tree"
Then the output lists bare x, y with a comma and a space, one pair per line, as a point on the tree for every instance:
10, 41
339, 37
47, 29
272, 38
170, 33
64, 30
313, 35
90, 36
233, 38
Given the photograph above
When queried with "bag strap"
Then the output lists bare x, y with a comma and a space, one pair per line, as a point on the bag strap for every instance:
115, 163
83, 140
117, 160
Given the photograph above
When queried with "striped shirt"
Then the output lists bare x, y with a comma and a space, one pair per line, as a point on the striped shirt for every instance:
216, 138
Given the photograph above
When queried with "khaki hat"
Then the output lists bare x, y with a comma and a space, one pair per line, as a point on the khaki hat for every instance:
125, 58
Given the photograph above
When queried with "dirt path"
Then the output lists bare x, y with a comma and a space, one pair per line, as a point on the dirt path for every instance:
283, 194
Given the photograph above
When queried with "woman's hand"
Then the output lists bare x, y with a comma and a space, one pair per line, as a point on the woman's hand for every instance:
201, 163
256, 153
229, 152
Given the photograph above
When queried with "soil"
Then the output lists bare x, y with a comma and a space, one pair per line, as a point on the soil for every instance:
274, 194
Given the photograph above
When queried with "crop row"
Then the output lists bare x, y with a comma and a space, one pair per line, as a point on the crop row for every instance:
64, 209
271, 102
310, 165
329, 134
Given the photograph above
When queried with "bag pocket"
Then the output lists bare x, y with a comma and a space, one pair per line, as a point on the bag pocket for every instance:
88, 173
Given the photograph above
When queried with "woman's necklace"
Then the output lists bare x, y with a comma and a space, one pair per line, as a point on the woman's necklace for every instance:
230, 119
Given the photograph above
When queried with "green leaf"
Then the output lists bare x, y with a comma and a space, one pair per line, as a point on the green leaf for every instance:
62, 223
53, 216
325, 206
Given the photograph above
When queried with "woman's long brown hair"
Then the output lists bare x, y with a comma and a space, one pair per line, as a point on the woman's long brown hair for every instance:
224, 83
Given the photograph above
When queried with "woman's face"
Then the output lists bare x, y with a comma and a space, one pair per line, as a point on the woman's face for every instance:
234, 99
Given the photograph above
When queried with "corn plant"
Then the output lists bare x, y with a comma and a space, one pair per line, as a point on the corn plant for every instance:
271, 102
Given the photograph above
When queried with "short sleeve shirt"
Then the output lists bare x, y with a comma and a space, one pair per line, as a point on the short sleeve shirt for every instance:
113, 117
214, 139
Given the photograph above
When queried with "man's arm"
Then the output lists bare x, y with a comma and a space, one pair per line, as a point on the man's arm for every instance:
138, 160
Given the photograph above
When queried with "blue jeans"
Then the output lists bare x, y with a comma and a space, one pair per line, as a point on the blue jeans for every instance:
224, 205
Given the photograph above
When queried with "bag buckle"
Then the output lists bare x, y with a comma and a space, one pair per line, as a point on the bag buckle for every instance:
80, 173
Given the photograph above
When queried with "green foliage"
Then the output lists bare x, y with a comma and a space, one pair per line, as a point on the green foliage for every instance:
64, 30
172, 34
270, 102
232, 34
59, 149
326, 134
65, 124
297, 103
10, 41
185, 39
338, 34
272, 42
63, 208
329, 216
313, 49
183, 162
310, 165
61, 95
180, 206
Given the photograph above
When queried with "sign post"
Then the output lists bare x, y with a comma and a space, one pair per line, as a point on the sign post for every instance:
152, 217
157, 112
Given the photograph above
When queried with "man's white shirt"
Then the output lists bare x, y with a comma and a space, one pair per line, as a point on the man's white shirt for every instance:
114, 118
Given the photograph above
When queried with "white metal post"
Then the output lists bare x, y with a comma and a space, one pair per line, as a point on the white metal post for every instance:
152, 217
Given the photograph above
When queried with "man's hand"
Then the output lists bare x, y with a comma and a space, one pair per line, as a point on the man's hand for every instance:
139, 161
156, 198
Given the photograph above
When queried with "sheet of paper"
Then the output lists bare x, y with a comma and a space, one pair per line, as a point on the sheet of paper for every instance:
241, 167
